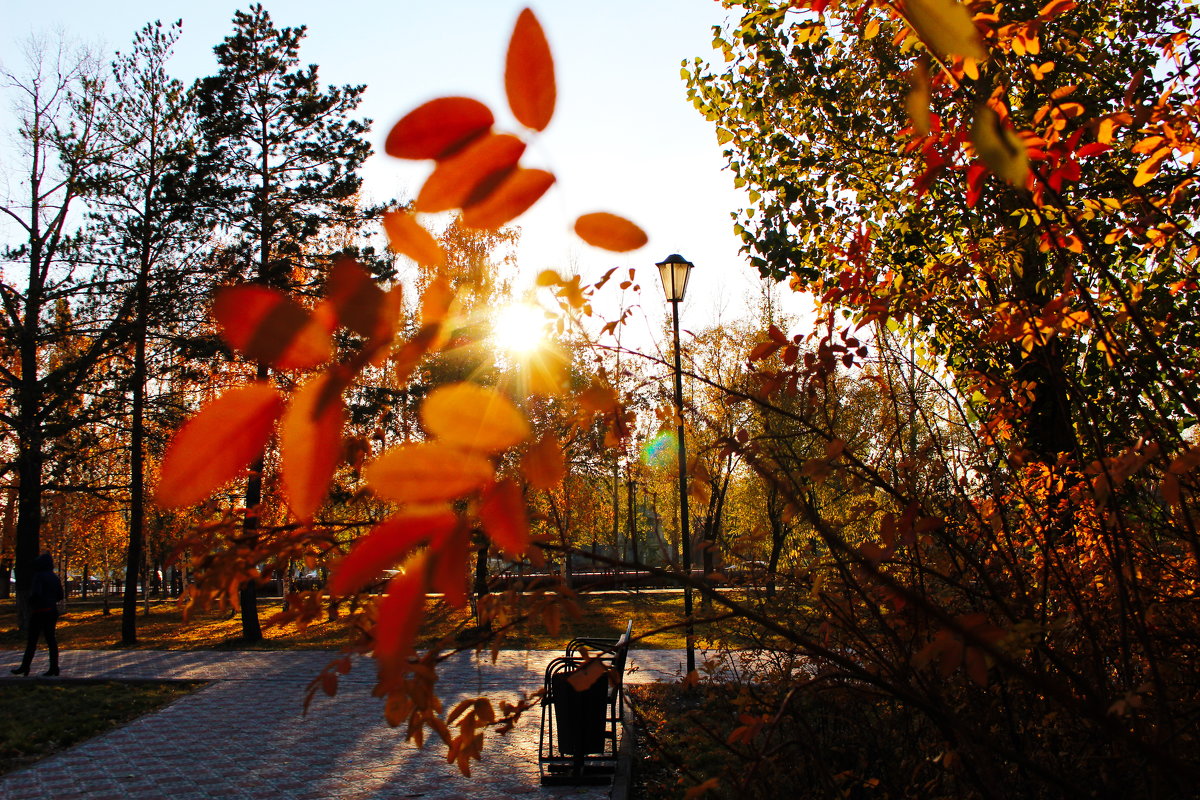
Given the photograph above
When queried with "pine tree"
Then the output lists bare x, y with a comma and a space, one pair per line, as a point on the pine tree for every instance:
146, 231
279, 162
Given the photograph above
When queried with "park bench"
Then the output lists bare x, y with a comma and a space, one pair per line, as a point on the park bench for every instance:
582, 707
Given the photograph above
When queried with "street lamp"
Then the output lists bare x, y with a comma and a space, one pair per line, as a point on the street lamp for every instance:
674, 271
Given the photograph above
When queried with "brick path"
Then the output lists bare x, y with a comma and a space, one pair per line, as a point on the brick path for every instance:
244, 736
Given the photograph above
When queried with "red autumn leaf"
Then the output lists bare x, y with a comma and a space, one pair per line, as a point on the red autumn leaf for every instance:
400, 611
764, 350
450, 569
268, 326
386, 544
454, 180
610, 232
529, 73
408, 238
427, 472
358, 302
218, 443
511, 197
438, 128
473, 417
310, 444
505, 519
543, 464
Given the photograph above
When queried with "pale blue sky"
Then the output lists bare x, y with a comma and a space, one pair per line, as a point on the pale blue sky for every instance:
624, 138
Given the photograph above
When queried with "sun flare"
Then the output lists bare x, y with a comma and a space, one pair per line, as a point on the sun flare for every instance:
519, 329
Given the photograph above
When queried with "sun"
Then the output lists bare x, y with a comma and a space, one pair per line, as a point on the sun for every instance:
519, 329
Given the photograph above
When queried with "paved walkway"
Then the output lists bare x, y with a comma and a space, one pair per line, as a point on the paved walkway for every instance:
244, 735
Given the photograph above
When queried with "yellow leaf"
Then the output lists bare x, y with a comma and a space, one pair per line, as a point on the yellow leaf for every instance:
427, 472
473, 417
945, 26
917, 102
1000, 147
1149, 167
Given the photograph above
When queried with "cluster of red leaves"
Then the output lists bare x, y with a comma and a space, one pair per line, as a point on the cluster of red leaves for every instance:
442, 488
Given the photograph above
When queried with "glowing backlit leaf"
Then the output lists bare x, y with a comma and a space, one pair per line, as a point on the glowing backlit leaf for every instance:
385, 546
473, 417
509, 199
1000, 148
946, 28
427, 472
505, 519
400, 611
543, 464
438, 128
548, 371
215, 445
407, 237
450, 568
529, 73
917, 101
610, 232
455, 180
1149, 168
268, 326
358, 301
310, 444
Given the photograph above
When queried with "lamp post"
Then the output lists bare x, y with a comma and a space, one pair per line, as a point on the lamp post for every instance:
674, 271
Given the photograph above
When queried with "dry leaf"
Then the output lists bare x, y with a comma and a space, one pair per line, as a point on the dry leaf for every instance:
610, 232
510, 198
543, 464
266, 325
502, 510
384, 547
427, 472
945, 26
473, 417
455, 180
220, 441
310, 445
438, 128
1000, 147
529, 73
408, 238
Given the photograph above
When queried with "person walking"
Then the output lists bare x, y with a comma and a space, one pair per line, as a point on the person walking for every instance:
44, 596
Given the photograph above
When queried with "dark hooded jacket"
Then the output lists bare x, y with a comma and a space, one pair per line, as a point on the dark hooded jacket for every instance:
47, 589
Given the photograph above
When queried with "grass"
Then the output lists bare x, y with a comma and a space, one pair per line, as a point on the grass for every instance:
86, 627
42, 718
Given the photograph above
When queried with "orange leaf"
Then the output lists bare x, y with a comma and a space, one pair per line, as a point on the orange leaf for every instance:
358, 301
310, 444
407, 237
218, 443
450, 570
427, 472
400, 611
548, 371
473, 417
529, 73
502, 510
438, 128
610, 232
543, 464
384, 546
454, 180
268, 326
509, 199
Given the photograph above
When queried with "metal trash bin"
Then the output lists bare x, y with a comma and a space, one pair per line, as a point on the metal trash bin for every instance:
579, 717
